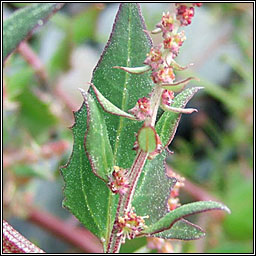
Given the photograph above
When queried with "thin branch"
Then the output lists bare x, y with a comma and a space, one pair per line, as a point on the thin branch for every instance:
33, 60
78, 237
14, 242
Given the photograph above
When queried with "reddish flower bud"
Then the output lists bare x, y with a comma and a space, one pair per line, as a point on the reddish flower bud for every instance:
130, 225
154, 57
119, 183
184, 14
167, 97
167, 23
173, 203
164, 75
142, 109
198, 4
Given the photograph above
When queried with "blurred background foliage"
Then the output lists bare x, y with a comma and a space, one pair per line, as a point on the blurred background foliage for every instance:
213, 148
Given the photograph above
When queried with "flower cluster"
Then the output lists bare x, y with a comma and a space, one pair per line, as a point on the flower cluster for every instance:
173, 201
142, 109
119, 183
160, 57
130, 225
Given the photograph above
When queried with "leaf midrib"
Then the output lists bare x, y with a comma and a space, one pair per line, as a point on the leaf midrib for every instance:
124, 98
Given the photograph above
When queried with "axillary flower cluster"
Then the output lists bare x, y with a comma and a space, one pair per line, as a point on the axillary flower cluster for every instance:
130, 225
161, 62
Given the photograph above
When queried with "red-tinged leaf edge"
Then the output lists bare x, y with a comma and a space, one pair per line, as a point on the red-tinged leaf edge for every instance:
113, 30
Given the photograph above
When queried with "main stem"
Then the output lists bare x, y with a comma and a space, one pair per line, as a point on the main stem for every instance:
124, 203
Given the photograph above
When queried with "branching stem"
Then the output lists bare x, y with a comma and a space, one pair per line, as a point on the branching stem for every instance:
124, 203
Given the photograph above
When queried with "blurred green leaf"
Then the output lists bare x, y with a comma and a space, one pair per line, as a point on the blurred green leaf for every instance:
130, 246
19, 25
28, 171
84, 24
232, 247
60, 60
239, 225
19, 82
34, 114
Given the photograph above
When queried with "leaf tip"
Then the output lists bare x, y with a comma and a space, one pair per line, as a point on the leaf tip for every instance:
226, 209
83, 92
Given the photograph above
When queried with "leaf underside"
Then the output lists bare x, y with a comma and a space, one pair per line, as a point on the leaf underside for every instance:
18, 26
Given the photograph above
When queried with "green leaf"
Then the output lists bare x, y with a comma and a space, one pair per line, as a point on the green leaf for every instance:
84, 24
60, 61
182, 230
128, 46
97, 144
147, 139
185, 210
86, 196
153, 190
109, 107
19, 25
178, 86
34, 114
20, 82
167, 125
28, 171
136, 70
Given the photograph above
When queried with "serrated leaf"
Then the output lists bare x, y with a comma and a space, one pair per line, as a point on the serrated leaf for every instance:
109, 107
86, 196
181, 230
128, 46
167, 125
153, 190
18, 26
97, 144
185, 210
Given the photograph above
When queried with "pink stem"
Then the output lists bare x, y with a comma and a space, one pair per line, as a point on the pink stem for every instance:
33, 60
14, 242
78, 237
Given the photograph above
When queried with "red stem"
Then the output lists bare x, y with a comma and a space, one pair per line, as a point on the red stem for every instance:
79, 237
14, 242
33, 60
